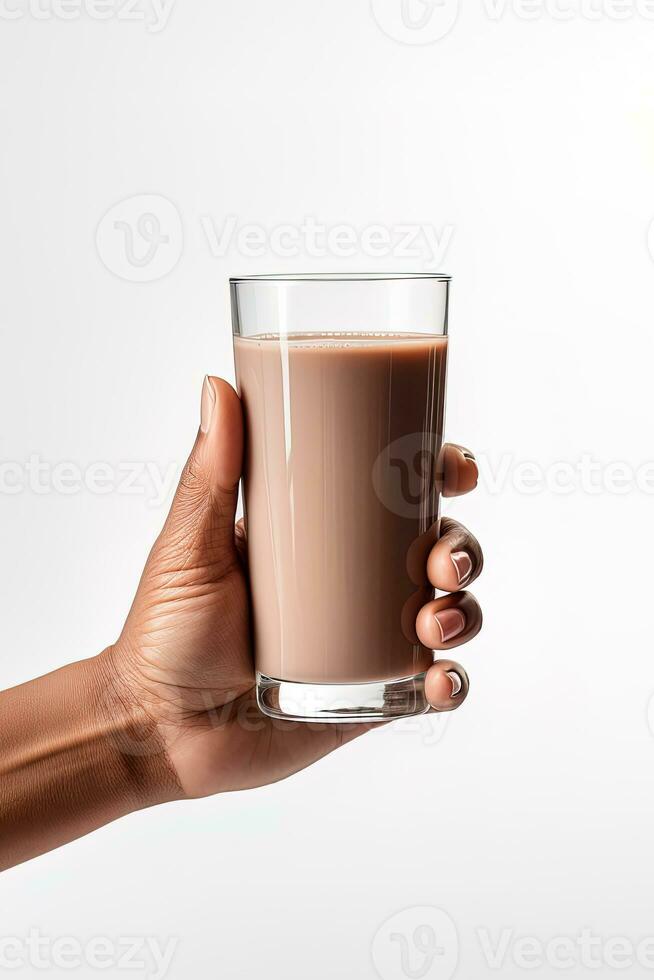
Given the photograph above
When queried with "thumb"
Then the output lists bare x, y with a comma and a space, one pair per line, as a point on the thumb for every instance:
204, 506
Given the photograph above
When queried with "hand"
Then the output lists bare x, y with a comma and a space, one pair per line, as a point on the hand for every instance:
184, 662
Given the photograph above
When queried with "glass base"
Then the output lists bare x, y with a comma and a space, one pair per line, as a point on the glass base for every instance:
375, 701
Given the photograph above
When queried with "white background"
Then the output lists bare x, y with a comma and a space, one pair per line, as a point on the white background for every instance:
532, 141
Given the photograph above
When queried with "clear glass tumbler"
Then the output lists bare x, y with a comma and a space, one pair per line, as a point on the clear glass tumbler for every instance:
342, 379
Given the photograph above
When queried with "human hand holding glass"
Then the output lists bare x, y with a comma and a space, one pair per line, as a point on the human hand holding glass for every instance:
169, 711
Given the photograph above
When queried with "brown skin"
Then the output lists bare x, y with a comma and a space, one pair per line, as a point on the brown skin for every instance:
168, 712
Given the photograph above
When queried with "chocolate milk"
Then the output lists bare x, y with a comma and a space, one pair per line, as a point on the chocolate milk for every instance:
342, 436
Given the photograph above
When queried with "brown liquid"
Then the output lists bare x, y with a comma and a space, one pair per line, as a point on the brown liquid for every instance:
342, 437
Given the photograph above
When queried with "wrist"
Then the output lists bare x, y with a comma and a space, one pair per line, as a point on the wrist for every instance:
142, 772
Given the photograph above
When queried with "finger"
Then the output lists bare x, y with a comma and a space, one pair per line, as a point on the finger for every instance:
449, 621
446, 685
208, 488
456, 559
460, 473
241, 540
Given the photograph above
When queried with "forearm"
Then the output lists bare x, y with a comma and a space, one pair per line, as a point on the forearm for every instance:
72, 758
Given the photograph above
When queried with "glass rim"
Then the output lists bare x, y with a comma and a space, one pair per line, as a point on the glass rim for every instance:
343, 277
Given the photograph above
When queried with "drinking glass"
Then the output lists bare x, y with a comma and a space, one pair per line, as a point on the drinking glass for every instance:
342, 381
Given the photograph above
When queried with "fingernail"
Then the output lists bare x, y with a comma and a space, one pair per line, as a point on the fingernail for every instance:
207, 405
462, 565
451, 622
457, 683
